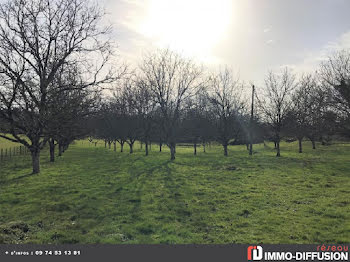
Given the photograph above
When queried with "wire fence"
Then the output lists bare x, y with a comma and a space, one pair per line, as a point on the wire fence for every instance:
6, 153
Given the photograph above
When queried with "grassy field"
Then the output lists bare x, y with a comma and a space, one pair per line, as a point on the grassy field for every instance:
95, 195
4, 143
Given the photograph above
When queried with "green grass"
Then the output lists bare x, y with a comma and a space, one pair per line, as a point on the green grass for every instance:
95, 195
5, 144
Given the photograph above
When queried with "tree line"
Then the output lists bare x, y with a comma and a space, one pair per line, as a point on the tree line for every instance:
59, 81
161, 104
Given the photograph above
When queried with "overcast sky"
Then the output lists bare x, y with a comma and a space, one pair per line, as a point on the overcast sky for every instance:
251, 36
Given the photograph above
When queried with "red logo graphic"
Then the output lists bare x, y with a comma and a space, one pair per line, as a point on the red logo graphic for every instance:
255, 253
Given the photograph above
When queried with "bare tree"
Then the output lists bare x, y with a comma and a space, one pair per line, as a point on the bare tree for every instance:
68, 110
319, 122
298, 119
145, 106
157, 134
251, 121
37, 38
275, 102
197, 125
225, 93
110, 125
129, 111
171, 79
336, 72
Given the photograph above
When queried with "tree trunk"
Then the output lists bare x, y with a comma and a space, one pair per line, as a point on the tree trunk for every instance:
146, 147
109, 145
313, 144
251, 124
131, 148
278, 149
225, 149
275, 144
52, 150
105, 144
160, 147
115, 146
247, 146
172, 151
121, 147
300, 145
60, 149
65, 147
36, 161
195, 148
204, 147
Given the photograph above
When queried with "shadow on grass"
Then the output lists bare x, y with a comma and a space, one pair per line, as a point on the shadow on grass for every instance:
15, 179
137, 176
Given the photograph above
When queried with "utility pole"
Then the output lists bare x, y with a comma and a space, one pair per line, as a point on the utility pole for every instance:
251, 123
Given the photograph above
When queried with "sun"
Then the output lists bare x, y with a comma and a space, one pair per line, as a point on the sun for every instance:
190, 26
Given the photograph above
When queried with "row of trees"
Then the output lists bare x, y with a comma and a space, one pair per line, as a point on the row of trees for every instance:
170, 100
56, 59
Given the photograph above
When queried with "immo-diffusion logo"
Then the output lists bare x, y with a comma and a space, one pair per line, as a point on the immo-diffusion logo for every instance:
332, 253
255, 253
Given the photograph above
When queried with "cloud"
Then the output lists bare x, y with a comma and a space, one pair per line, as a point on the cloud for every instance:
343, 42
313, 59
270, 42
267, 29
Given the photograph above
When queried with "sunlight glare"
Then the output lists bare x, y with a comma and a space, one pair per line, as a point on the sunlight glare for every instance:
190, 26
